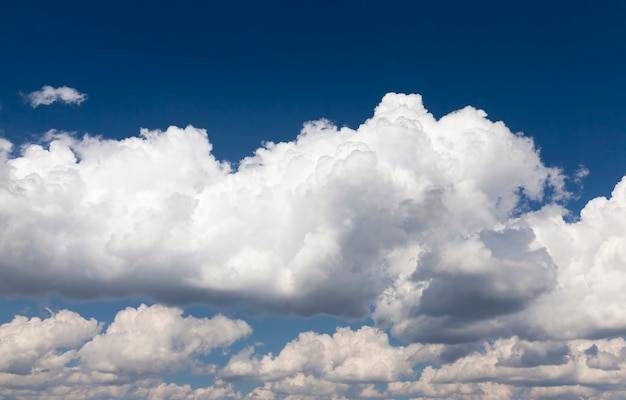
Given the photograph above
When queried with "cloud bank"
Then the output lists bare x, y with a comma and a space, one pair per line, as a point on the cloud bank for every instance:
48, 95
68, 356
425, 225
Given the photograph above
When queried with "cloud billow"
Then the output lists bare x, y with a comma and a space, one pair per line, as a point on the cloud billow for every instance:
67, 356
417, 219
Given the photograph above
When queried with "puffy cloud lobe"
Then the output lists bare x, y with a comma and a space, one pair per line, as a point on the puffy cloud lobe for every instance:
332, 222
349, 364
364, 355
34, 344
157, 340
322, 366
48, 95
64, 356
315, 365
551, 370
590, 253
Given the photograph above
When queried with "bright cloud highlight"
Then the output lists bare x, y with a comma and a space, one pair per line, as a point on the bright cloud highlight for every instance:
48, 95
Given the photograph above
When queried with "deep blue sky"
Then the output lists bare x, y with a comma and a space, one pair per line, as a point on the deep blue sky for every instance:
253, 71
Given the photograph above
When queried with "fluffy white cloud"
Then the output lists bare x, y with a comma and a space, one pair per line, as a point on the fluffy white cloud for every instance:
28, 345
347, 356
327, 223
591, 254
514, 368
423, 221
150, 389
48, 95
422, 224
157, 340
362, 364
64, 356
508, 368
328, 367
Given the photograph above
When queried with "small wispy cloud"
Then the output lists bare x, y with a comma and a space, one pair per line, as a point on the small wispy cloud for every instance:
48, 95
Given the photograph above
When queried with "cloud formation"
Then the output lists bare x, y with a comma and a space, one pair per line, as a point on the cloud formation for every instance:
65, 356
68, 356
157, 340
364, 355
351, 364
424, 224
48, 95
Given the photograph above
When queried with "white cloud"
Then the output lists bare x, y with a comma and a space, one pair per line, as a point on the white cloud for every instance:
27, 345
423, 225
490, 371
48, 95
590, 254
423, 221
157, 340
347, 356
64, 356
323, 224
350, 363
150, 389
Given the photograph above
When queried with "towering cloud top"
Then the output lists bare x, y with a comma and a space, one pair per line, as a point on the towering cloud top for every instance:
421, 220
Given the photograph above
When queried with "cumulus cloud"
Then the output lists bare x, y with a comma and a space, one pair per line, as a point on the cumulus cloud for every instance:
364, 355
33, 344
150, 389
591, 253
555, 370
157, 340
65, 356
508, 368
70, 357
425, 225
48, 95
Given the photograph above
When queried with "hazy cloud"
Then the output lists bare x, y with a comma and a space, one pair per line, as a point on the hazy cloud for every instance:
48, 95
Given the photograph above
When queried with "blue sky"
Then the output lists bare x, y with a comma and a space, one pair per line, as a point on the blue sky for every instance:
408, 231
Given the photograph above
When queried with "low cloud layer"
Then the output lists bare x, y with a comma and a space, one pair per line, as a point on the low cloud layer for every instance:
66, 356
48, 95
512, 368
425, 225
364, 355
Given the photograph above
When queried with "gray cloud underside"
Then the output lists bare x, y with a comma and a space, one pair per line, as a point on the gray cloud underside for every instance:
416, 222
